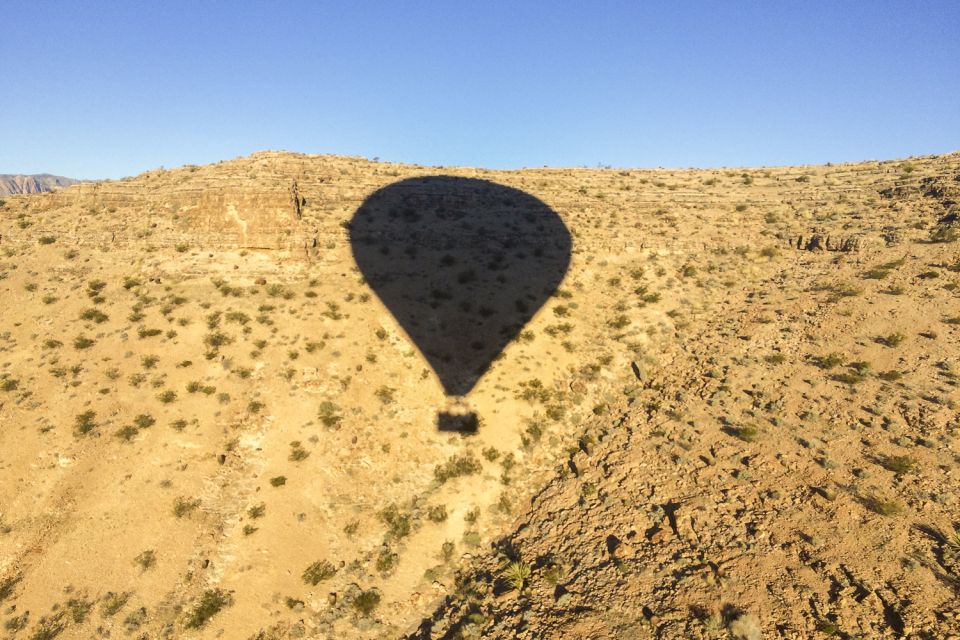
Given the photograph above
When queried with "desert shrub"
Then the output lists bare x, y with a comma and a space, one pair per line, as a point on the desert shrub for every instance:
112, 603
387, 561
85, 422
828, 361
944, 234
185, 506
17, 623
127, 432
516, 574
398, 523
856, 373
329, 414
297, 452
318, 572
491, 454
78, 608
534, 391
876, 273
366, 602
211, 603
146, 560
386, 395
747, 432
8, 584
899, 464
844, 290
217, 339
883, 505
456, 466
94, 315
619, 322
892, 340
279, 291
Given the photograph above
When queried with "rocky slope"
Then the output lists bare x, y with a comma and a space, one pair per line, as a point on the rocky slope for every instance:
735, 417
38, 183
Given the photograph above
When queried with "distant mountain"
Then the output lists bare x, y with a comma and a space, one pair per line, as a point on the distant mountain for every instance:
37, 183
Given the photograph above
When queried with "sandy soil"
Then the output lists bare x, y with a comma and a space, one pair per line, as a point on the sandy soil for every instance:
736, 416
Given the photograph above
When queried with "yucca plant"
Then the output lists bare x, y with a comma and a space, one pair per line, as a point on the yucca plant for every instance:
516, 574
954, 541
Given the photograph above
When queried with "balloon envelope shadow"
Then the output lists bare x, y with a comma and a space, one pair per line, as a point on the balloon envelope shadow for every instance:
462, 264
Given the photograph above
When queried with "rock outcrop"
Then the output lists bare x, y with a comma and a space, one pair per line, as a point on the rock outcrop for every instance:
38, 183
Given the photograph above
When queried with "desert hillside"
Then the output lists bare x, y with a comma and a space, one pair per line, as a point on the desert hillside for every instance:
735, 413
39, 183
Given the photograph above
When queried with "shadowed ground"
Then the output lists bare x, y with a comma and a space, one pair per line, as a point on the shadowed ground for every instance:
462, 264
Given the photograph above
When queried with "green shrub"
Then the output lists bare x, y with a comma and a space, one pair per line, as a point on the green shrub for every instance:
457, 466
329, 414
899, 464
318, 572
211, 603
883, 505
84, 423
385, 394
398, 523
747, 433
94, 315
184, 506
892, 340
366, 602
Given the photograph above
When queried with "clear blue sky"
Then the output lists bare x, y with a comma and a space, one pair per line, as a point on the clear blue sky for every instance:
106, 89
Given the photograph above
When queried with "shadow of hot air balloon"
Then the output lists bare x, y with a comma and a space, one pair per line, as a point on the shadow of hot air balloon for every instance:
462, 264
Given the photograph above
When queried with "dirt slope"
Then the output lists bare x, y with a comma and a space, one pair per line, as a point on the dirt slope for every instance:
736, 416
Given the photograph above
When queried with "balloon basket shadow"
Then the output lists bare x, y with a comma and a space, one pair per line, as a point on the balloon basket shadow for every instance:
456, 421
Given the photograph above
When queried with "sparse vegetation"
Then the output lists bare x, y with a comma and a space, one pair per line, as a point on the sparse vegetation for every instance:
210, 604
366, 602
318, 572
883, 505
456, 467
183, 507
899, 464
516, 574
738, 368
